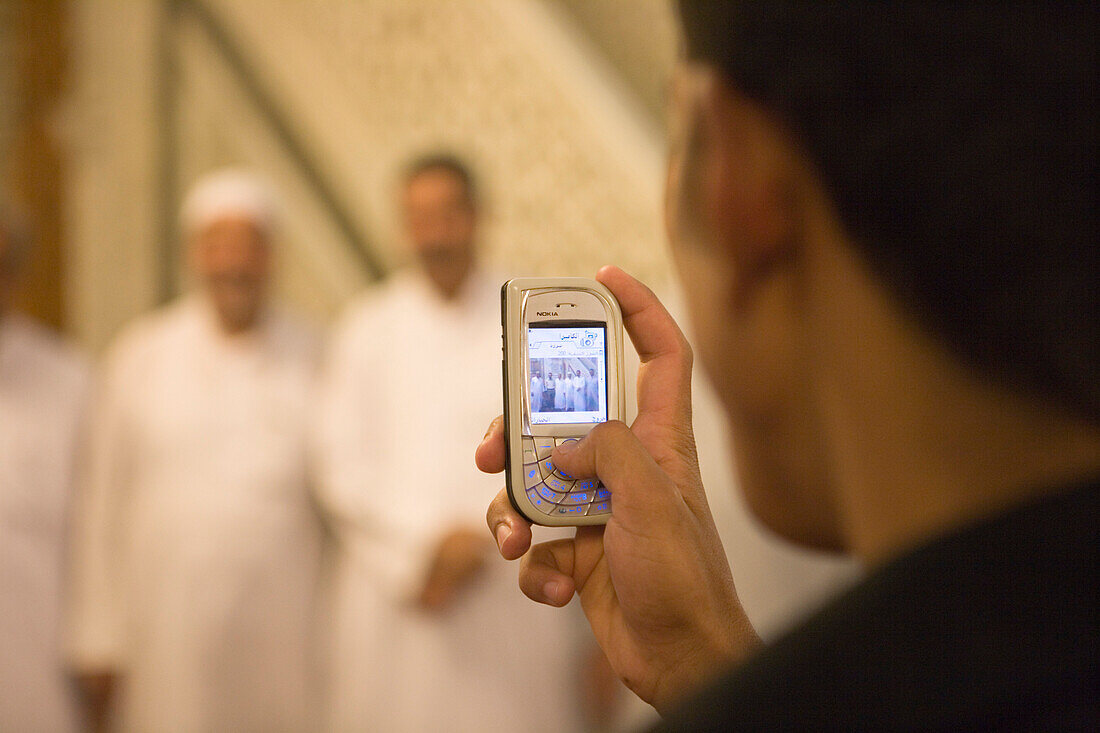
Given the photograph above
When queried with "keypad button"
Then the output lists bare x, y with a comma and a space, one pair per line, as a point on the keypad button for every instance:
603, 507
571, 510
548, 470
543, 447
541, 504
602, 493
546, 493
587, 484
557, 484
529, 456
531, 475
582, 497
528, 442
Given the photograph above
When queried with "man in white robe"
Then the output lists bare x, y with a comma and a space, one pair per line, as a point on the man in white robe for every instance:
198, 548
429, 633
592, 390
578, 392
559, 393
43, 389
536, 393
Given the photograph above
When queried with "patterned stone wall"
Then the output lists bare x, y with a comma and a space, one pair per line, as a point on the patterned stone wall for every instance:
371, 83
570, 161
639, 37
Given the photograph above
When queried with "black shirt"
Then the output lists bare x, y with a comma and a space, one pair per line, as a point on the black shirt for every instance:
991, 628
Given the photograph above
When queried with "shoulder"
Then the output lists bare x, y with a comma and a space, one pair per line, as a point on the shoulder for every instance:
144, 336
983, 626
375, 307
48, 354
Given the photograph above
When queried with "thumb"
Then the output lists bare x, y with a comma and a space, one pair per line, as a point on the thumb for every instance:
641, 492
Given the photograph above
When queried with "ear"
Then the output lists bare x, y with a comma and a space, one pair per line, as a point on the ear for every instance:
746, 184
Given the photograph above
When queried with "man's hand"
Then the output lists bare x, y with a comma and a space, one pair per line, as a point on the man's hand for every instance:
459, 557
654, 582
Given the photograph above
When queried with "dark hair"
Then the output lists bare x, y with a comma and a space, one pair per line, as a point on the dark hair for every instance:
448, 162
958, 143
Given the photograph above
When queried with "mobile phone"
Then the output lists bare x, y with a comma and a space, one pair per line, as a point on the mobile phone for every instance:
563, 375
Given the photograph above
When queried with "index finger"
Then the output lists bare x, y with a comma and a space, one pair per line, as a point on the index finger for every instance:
652, 329
664, 378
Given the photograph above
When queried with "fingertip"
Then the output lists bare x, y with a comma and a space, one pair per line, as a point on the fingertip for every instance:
502, 534
613, 277
558, 591
607, 271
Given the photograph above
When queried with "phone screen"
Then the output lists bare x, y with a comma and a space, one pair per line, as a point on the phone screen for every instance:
567, 372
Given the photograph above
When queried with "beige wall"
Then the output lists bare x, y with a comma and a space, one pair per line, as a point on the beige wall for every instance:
570, 159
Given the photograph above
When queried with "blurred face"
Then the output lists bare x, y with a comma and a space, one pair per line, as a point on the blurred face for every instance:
733, 221
440, 224
232, 260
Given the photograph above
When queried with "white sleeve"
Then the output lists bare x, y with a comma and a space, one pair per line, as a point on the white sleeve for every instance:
97, 594
348, 450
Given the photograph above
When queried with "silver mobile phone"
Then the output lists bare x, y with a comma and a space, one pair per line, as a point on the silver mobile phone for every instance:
563, 375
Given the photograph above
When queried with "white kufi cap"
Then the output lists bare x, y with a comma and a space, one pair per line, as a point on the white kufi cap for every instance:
230, 192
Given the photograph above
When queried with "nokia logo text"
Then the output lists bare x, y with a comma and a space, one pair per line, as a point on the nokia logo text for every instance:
544, 314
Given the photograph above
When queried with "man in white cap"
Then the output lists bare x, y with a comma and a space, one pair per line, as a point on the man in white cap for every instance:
197, 548
43, 385
429, 634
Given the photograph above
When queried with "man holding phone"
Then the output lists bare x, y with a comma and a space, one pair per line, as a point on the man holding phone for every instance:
887, 214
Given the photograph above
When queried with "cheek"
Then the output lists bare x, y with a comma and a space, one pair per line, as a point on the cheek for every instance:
260, 262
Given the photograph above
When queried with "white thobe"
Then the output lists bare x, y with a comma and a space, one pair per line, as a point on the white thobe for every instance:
559, 394
399, 421
536, 394
198, 547
43, 386
578, 393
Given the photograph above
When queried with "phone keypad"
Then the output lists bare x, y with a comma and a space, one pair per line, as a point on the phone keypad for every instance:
543, 446
554, 492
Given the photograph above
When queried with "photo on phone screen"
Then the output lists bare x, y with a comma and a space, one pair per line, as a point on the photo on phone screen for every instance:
567, 373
